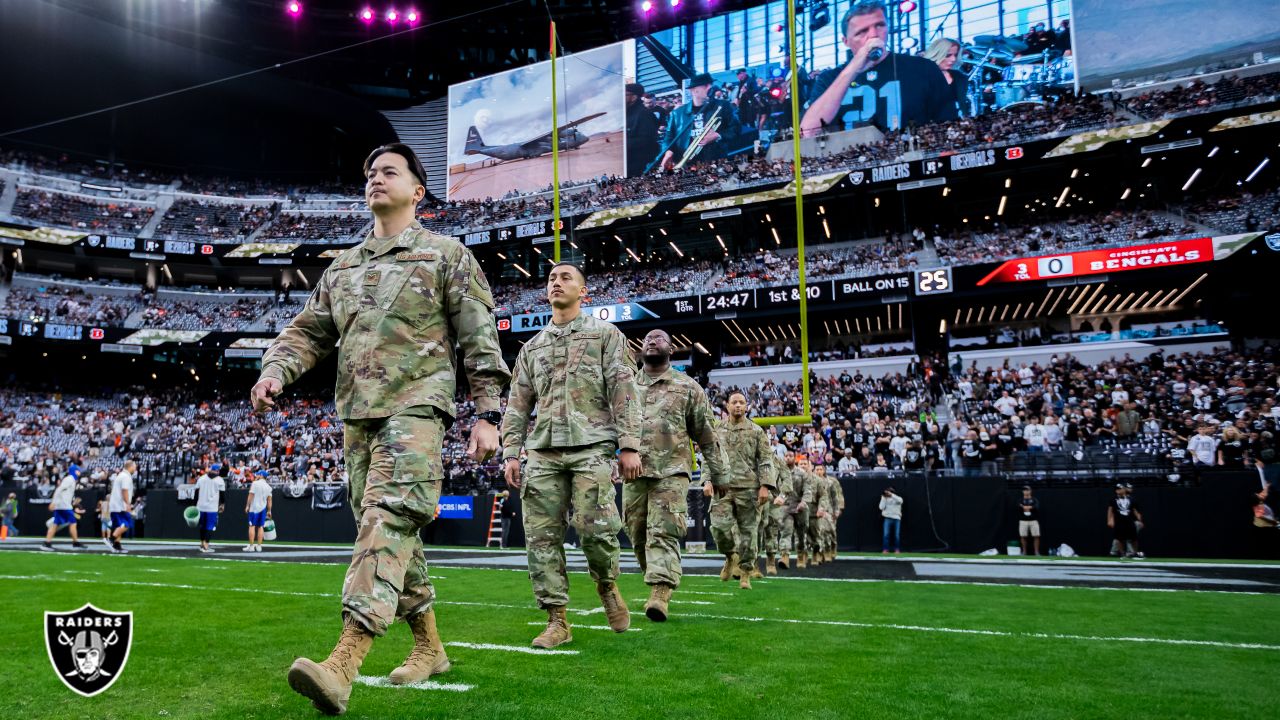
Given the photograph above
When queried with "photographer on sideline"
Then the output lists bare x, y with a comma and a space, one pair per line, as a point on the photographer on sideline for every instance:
891, 511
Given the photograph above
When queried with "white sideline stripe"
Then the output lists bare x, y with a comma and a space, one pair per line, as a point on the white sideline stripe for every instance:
791, 621
688, 578
539, 623
695, 592
511, 648
677, 602
385, 682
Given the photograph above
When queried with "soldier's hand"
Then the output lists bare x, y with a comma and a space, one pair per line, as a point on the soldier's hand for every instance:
763, 495
512, 473
263, 392
708, 489
484, 441
802, 505
779, 501
629, 463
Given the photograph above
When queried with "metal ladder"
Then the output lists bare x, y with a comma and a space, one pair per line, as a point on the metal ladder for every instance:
495, 522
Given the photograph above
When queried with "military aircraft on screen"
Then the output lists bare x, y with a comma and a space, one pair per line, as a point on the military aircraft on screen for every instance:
570, 138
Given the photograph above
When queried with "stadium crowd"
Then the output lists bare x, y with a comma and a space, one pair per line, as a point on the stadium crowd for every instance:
81, 213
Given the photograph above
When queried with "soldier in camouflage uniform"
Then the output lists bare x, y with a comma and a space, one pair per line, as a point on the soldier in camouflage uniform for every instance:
795, 524
770, 523
578, 374
821, 500
837, 509
394, 306
734, 510
827, 515
655, 505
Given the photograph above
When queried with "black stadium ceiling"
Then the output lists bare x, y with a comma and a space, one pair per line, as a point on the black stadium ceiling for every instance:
454, 41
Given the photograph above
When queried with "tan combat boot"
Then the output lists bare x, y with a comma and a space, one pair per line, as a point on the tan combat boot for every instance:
726, 570
801, 560
755, 571
615, 608
735, 570
328, 684
557, 631
745, 582
770, 566
784, 562
427, 657
659, 597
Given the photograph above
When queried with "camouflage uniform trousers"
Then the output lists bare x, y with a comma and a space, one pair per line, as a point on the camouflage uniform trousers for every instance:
555, 481
828, 533
769, 527
813, 539
394, 471
795, 531
655, 512
733, 524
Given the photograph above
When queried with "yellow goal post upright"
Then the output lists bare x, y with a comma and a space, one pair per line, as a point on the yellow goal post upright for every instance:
807, 417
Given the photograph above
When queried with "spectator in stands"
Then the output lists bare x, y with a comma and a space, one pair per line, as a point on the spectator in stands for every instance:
1125, 520
1203, 447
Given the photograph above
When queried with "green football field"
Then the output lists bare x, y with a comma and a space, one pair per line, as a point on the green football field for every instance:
213, 639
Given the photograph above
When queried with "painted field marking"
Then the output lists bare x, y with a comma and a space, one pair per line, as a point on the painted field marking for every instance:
511, 648
585, 627
385, 682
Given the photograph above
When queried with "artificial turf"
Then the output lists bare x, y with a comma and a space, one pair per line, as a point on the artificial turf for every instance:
213, 639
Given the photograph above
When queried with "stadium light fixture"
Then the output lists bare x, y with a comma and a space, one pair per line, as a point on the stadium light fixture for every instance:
1125, 195
366, 15
412, 17
526, 272
1191, 179
675, 3
392, 16
673, 247
1063, 197
1146, 162
646, 7
906, 6
1258, 169
1003, 199
1214, 151
293, 8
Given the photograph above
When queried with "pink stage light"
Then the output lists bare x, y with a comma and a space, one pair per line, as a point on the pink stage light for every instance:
293, 7
675, 3
392, 16
412, 17
646, 6
366, 15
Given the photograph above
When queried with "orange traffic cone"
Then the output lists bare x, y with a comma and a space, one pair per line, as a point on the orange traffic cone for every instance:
4, 532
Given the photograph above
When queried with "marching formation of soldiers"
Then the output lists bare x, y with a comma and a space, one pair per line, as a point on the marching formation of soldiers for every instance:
395, 308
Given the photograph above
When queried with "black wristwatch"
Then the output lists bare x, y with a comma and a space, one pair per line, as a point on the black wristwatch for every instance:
493, 417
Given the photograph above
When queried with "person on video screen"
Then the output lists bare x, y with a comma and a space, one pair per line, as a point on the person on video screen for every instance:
876, 87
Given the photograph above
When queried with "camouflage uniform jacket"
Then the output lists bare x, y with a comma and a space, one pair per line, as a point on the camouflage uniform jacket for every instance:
821, 494
750, 459
397, 305
581, 380
802, 489
837, 493
782, 475
675, 410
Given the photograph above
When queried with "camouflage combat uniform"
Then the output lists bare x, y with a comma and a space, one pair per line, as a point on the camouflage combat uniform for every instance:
734, 511
795, 522
397, 305
580, 378
821, 501
837, 505
655, 505
770, 522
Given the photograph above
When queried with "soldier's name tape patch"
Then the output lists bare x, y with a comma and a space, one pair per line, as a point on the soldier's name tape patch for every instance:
410, 256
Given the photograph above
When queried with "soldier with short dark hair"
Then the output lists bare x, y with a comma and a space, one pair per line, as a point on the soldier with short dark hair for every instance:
655, 505
394, 306
577, 372
735, 509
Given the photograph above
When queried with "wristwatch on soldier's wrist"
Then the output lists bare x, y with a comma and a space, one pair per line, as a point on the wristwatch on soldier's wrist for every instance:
493, 417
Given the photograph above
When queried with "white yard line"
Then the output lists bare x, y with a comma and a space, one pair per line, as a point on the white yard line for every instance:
677, 602
385, 682
510, 648
790, 621
539, 623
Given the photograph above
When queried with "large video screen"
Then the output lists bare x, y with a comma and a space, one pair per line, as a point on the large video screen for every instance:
881, 69
1122, 43
500, 126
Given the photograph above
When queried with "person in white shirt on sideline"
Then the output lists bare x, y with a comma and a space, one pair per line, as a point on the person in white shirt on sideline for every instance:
120, 505
210, 490
62, 505
891, 511
258, 508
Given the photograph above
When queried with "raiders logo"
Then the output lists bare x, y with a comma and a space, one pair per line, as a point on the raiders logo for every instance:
88, 647
857, 177
1273, 241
